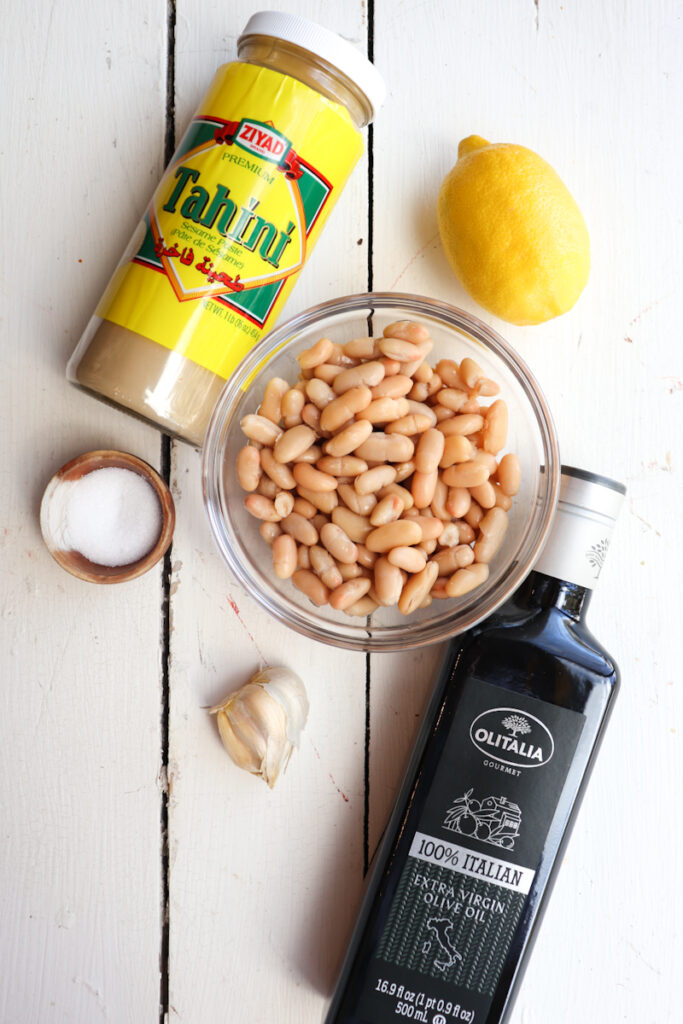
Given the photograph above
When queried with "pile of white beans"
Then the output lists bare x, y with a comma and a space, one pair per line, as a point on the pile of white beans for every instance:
376, 476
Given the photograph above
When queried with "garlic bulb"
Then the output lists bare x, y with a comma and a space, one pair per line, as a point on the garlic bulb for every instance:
261, 723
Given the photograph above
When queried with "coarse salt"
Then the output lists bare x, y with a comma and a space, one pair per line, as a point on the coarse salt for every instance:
112, 517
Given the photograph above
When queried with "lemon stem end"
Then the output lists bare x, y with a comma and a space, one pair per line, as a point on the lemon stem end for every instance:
471, 143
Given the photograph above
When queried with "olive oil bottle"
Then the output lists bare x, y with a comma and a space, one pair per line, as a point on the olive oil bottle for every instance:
493, 788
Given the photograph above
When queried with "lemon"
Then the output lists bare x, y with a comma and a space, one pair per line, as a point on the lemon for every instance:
512, 232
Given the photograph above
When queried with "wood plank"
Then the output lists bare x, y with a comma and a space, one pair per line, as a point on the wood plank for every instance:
594, 91
83, 127
263, 885
400, 687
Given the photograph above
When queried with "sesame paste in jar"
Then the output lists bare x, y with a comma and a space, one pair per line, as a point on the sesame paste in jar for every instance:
225, 235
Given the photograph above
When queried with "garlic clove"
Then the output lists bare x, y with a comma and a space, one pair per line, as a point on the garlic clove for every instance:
276, 760
287, 688
261, 723
241, 748
268, 717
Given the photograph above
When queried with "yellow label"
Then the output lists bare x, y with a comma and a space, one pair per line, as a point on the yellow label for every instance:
235, 216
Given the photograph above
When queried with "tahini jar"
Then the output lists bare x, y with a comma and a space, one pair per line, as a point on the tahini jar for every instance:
231, 224
480, 825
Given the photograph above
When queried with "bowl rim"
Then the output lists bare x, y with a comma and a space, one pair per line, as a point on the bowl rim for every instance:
413, 635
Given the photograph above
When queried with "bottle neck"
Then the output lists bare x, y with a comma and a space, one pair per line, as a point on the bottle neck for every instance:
579, 539
569, 565
540, 590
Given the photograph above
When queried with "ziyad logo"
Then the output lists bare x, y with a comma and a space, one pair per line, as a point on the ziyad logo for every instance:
262, 139
512, 737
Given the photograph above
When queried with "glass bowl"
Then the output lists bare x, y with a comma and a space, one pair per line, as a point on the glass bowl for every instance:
531, 436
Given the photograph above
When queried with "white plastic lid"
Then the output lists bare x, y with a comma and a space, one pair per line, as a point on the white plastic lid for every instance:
581, 532
325, 44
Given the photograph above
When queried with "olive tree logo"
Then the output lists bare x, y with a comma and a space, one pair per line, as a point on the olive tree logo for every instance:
596, 555
498, 733
517, 725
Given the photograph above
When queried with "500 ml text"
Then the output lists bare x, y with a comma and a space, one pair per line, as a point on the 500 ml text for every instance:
419, 1006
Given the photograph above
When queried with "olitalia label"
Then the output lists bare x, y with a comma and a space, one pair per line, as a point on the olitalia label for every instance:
235, 216
473, 859
512, 738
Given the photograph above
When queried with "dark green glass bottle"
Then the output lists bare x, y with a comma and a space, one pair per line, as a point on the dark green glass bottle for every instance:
480, 824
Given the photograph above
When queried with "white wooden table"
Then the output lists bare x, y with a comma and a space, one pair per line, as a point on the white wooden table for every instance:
104, 743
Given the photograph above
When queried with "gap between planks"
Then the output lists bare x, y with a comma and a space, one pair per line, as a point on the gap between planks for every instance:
166, 452
165, 462
368, 657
